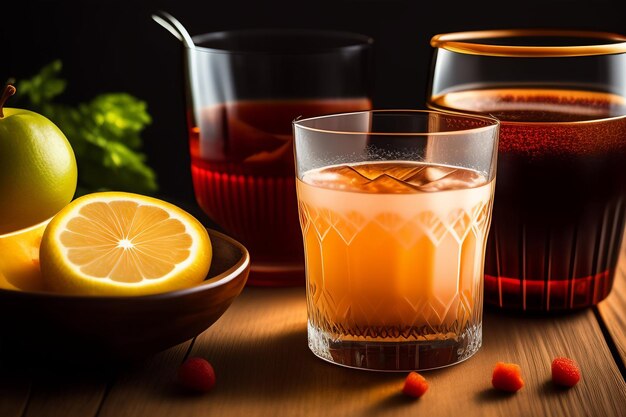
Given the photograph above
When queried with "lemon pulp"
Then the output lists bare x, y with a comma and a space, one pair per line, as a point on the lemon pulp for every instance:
114, 243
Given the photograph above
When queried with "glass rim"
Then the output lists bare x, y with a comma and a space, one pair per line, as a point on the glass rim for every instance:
469, 42
490, 121
353, 40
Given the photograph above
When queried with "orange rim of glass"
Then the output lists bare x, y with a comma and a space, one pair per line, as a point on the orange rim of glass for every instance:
472, 43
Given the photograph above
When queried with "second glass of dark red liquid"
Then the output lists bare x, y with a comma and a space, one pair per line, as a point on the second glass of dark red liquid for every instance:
559, 207
244, 89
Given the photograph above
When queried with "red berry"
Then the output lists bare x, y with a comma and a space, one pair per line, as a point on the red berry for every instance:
507, 377
565, 372
196, 374
415, 385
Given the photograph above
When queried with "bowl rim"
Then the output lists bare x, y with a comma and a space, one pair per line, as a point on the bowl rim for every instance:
25, 230
229, 275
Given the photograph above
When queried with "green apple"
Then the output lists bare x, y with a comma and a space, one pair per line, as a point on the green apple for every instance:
38, 171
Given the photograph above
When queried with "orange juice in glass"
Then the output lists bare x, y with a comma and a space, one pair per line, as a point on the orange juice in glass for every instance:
394, 208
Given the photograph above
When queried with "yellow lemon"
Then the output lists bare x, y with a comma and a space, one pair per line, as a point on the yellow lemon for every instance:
19, 259
37, 169
114, 243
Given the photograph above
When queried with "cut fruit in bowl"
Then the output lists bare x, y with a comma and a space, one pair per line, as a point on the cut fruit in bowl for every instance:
116, 243
86, 328
19, 258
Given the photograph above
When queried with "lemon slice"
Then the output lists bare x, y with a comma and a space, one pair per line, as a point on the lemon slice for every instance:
115, 243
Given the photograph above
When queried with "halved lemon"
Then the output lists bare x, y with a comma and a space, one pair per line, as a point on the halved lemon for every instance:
115, 243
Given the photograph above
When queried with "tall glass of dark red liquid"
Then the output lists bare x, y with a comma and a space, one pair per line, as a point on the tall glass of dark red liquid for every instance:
244, 90
559, 206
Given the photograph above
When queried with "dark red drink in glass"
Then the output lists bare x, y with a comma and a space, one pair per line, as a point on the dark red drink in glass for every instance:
559, 206
245, 88
559, 217
244, 176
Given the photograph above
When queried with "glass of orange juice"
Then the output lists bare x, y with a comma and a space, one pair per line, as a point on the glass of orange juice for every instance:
395, 206
19, 259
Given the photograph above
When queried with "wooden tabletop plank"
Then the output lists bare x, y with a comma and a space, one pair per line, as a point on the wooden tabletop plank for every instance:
263, 366
36, 385
147, 387
613, 309
66, 394
14, 393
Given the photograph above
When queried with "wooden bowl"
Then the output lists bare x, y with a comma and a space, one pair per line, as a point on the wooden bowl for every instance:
123, 328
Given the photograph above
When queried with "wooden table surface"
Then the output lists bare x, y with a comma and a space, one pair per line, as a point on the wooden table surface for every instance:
264, 368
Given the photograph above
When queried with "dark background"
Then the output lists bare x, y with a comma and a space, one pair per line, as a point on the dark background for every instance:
115, 46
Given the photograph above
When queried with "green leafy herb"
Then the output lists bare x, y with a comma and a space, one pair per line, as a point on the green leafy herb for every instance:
105, 133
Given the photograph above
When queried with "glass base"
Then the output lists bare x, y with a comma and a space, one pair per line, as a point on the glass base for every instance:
395, 356
547, 295
276, 274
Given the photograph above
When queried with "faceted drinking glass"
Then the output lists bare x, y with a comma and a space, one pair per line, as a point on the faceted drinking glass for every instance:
394, 209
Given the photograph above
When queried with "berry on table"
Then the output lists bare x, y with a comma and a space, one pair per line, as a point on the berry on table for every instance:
196, 374
565, 372
507, 377
415, 385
